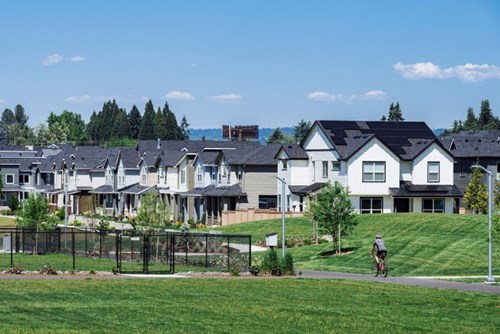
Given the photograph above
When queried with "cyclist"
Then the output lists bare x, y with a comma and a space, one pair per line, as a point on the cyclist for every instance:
381, 250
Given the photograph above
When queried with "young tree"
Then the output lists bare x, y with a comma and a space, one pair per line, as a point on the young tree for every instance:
300, 131
333, 211
35, 216
72, 121
475, 195
153, 214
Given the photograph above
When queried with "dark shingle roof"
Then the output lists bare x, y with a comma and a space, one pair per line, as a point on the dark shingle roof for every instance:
405, 139
302, 190
412, 190
212, 190
473, 144
295, 151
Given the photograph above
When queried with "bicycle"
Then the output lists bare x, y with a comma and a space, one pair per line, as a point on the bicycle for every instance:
380, 268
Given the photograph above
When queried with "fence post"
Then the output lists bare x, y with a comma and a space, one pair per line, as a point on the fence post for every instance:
228, 263
11, 249
187, 245
249, 251
118, 251
73, 247
172, 252
145, 254
206, 250
86, 241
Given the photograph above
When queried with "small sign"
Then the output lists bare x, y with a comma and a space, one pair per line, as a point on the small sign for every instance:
135, 238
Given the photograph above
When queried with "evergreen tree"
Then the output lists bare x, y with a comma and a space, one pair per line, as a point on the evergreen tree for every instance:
470, 123
383, 118
121, 125
300, 130
184, 128
160, 126
147, 130
486, 120
21, 117
8, 119
92, 128
173, 129
276, 137
135, 122
395, 113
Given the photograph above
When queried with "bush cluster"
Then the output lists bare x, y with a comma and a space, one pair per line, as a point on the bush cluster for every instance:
272, 264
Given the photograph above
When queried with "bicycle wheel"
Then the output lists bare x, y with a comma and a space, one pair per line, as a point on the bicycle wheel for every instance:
375, 268
384, 269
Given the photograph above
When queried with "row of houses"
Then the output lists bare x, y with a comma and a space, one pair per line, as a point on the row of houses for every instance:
387, 166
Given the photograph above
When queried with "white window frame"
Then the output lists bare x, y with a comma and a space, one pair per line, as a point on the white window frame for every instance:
433, 171
374, 171
325, 169
371, 210
434, 209
7, 178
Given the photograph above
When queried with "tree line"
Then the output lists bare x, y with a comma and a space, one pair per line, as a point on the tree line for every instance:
111, 124
484, 121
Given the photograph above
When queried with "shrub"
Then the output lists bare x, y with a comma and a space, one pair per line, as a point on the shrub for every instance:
48, 270
287, 264
271, 263
77, 223
59, 213
92, 272
13, 203
17, 269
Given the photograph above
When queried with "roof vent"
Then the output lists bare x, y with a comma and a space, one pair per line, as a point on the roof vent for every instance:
158, 143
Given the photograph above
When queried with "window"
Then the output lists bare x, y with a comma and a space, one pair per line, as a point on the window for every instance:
335, 166
371, 205
144, 175
463, 171
9, 178
284, 165
433, 171
199, 174
314, 170
373, 171
434, 205
325, 169
23, 179
183, 176
240, 173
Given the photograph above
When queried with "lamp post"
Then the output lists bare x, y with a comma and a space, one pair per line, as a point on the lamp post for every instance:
283, 184
490, 279
65, 208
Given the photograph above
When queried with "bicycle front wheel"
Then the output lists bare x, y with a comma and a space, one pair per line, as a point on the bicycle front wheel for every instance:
375, 268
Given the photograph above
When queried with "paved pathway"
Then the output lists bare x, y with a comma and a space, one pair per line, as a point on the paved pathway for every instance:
415, 281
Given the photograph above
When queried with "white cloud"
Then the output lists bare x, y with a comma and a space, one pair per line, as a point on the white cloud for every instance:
327, 97
52, 60
468, 72
178, 95
57, 59
77, 59
375, 95
2, 101
79, 99
227, 98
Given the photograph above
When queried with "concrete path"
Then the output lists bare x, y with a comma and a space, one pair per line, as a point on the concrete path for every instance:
430, 282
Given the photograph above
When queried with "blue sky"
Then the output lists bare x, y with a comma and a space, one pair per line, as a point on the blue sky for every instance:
270, 63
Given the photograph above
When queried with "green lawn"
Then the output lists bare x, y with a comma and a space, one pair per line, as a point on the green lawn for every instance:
418, 244
239, 305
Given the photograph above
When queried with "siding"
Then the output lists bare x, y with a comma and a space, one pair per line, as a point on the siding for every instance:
258, 181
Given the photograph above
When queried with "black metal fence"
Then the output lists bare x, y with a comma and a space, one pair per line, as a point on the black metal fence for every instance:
124, 251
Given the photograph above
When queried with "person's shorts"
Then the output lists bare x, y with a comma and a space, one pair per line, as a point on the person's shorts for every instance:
382, 254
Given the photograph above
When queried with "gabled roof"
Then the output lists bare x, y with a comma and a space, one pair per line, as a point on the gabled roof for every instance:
303, 190
293, 151
473, 144
262, 156
211, 190
405, 139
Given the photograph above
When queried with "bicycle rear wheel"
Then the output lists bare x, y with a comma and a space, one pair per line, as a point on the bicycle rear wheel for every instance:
375, 268
384, 269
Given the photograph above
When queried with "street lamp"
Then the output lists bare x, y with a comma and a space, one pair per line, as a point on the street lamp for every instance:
283, 184
490, 279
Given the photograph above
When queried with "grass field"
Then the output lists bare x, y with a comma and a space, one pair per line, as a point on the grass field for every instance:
239, 305
418, 244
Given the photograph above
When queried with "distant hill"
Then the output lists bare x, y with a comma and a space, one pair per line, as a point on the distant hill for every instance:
216, 134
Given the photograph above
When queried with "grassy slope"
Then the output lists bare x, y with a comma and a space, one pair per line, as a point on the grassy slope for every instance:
419, 244
238, 306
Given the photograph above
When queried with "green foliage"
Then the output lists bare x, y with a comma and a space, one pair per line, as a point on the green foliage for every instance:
13, 202
476, 195
72, 123
333, 211
135, 120
153, 214
287, 264
147, 130
35, 214
48, 270
160, 128
300, 130
395, 113
184, 128
18, 269
277, 137
121, 142
174, 131
485, 121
